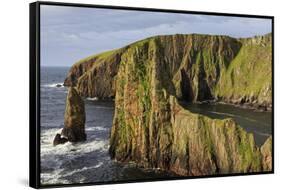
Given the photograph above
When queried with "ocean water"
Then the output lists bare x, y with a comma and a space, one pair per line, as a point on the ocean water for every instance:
89, 161
81, 162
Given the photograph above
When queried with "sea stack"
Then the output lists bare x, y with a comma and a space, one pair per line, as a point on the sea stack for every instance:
74, 119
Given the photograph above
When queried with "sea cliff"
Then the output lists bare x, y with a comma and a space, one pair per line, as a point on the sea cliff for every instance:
148, 77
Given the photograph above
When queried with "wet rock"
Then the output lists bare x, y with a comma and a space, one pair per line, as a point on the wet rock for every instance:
59, 140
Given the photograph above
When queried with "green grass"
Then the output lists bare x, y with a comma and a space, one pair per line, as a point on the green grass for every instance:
99, 56
248, 74
250, 157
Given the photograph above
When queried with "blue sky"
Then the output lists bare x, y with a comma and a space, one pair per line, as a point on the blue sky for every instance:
69, 34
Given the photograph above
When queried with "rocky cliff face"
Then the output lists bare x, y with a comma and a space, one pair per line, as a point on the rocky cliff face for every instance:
248, 79
151, 128
95, 76
266, 151
199, 67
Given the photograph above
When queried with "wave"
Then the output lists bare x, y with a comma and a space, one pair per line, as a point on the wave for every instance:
99, 164
71, 149
234, 115
54, 85
92, 99
96, 128
248, 119
55, 177
103, 107
222, 113
262, 134
53, 158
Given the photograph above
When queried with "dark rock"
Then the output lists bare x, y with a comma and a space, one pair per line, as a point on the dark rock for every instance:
58, 85
74, 134
59, 140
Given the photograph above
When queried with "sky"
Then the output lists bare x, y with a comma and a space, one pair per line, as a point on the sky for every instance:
69, 34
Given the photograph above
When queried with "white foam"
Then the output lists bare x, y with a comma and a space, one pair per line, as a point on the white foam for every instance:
51, 156
68, 148
96, 128
55, 176
233, 115
262, 134
93, 99
223, 113
54, 85
59, 131
82, 169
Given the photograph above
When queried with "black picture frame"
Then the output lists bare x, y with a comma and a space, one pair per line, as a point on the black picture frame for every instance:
34, 92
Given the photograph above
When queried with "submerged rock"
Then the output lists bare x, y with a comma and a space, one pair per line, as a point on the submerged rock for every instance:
74, 119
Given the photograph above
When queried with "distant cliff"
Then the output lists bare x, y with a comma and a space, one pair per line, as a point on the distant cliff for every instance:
147, 77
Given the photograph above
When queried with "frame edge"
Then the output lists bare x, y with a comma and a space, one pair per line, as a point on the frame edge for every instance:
34, 166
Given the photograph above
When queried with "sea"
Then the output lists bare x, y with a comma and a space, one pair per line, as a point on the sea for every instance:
89, 162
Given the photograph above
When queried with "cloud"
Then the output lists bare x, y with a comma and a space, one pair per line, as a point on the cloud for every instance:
71, 33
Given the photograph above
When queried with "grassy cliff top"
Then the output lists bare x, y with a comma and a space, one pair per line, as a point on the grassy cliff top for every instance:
103, 55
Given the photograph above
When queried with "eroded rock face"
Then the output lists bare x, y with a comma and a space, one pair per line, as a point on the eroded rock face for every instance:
74, 119
199, 67
94, 76
266, 151
204, 146
248, 80
152, 129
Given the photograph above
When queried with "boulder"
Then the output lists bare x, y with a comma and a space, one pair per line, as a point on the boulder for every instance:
59, 139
